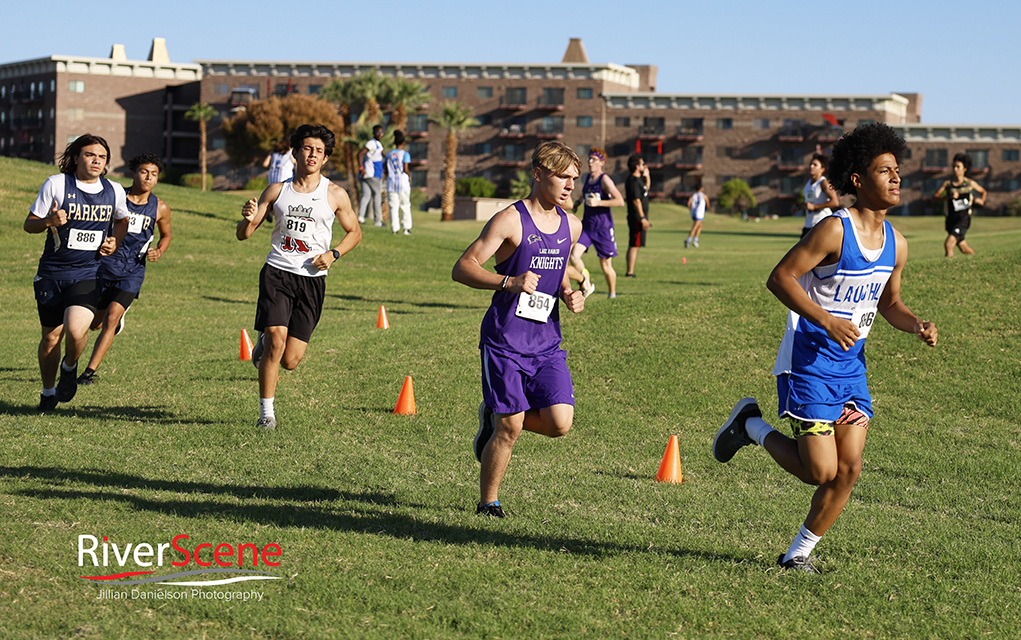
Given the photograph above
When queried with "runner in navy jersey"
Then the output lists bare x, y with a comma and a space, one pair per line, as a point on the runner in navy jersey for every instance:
122, 273
74, 209
526, 384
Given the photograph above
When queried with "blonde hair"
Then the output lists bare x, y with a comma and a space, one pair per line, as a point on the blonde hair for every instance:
555, 156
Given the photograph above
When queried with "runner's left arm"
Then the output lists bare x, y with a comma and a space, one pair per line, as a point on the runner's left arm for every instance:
163, 225
893, 308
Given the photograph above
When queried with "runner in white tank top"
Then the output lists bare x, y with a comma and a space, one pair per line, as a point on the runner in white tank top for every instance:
303, 229
820, 198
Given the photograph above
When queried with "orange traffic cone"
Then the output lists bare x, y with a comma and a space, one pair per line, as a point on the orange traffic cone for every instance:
406, 401
381, 321
246, 346
670, 468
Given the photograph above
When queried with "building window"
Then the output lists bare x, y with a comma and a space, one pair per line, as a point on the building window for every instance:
761, 180
485, 119
418, 150
419, 178
584, 93
484, 93
76, 114
582, 151
622, 121
221, 89
724, 152
979, 158
70, 139
53, 86
219, 143
789, 186
514, 152
76, 86
483, 148
418, 122
760, 123
448, 92
724, 123
1011, 155
552, 97
935, 158
620, 149
314, 89
584, 121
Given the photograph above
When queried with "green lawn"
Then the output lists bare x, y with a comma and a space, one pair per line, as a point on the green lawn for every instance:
374, 512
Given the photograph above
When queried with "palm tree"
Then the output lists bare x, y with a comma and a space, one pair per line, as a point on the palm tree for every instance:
403, 94
369, 87
455, 118
344, 94
202, 113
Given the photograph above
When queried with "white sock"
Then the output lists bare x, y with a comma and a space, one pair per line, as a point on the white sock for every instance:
803, 544
63, 365
266, 408
758, 429
52, 391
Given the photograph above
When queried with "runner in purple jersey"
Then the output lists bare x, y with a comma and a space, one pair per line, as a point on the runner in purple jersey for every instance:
599, 194
525, 381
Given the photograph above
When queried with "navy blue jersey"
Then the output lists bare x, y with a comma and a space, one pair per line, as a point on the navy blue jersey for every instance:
130, 257
72, 251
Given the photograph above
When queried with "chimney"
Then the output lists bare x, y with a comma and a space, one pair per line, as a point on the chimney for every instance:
117, 52
575, 52
158, 51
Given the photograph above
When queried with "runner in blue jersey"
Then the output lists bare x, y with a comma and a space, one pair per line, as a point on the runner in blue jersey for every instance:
121, 274
526, 384
834, 282
74, 209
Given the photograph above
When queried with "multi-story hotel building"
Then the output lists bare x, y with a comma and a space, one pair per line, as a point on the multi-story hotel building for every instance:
766, 140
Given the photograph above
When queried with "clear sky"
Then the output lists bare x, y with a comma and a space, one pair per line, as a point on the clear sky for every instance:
964, 58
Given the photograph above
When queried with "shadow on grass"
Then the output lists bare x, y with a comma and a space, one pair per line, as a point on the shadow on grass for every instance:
227, 300
427, 305
300, 514
140, 413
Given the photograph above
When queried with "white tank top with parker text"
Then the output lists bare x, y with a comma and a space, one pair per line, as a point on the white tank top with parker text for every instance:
303, 229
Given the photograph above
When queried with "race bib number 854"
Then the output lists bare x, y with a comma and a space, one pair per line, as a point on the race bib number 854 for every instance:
536, 306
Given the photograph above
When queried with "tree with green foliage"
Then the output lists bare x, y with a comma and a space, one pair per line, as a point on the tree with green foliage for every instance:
202, 113
343, 94
402, 95
455, 118
521, 185
252, 133
736, 195
369, 88
475, 187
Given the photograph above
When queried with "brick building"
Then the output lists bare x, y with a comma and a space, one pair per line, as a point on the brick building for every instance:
136, 105
766, 140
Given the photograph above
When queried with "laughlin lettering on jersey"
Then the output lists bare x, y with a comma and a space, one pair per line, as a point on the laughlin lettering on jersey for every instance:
89, 212
546, 262
860, 293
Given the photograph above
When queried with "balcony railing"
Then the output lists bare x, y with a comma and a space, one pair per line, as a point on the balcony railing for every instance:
513, 102
549, 103
791, 134
831, 135
651, 131
549, 131
689, 134
928, 167
513, 131
653, 160
788, 164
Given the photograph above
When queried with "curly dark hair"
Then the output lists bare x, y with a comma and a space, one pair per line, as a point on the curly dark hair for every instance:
964, 159
145, 158
314, 131
854, 152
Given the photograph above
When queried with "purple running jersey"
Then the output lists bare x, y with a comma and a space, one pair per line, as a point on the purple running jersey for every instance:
597, 225
545, 255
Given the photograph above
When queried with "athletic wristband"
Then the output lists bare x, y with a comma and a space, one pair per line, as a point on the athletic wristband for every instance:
503, 285
336, 254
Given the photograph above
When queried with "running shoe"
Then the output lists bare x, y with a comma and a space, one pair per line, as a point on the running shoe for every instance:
485, 432
266, 423
67, 386
687, 242
799, 563
87, 378
630, 275
695, 242
407, 232
46, 404
491, 509
377, 224
732, 435
260, 346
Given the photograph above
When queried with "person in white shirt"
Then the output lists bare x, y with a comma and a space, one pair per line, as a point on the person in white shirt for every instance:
370, 168
398, 185
820, 197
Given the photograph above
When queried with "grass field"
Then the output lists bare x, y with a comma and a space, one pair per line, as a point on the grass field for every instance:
374, 514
